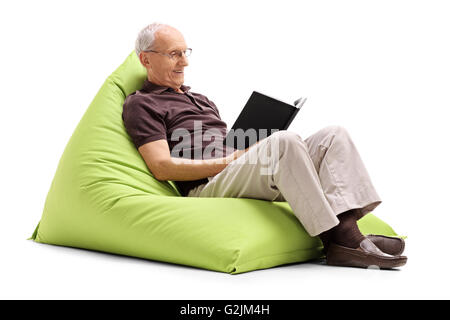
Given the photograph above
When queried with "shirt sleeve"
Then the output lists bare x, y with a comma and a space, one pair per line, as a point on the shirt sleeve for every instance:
143, 122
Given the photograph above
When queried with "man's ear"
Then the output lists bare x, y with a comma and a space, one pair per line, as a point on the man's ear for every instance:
144, 60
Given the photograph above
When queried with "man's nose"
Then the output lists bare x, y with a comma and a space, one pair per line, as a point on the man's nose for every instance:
183, 60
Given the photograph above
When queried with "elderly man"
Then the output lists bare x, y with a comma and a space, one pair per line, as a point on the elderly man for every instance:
322, 177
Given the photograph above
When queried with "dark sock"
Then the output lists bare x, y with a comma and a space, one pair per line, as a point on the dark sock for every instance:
346, 233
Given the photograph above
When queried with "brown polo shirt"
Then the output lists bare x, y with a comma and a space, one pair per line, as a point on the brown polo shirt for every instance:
189, 121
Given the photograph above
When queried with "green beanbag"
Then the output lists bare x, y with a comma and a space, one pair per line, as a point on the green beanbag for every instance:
104, 198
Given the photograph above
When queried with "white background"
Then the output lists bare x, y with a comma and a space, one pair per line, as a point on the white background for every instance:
378, 68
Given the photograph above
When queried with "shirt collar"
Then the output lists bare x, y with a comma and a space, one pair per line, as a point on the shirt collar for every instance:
154, 88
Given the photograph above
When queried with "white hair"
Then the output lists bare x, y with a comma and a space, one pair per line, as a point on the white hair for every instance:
146, 37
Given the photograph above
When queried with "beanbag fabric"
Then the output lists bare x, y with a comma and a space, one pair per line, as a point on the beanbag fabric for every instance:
103, 197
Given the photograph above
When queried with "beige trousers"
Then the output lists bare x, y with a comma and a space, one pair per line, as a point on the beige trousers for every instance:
320, 177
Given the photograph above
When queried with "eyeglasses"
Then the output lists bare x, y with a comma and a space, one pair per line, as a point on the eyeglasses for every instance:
177, 54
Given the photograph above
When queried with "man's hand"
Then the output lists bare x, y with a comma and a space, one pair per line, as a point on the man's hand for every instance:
239, 153
164, 167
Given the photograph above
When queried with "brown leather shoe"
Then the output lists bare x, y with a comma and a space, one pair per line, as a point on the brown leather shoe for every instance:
366, 255
390, 245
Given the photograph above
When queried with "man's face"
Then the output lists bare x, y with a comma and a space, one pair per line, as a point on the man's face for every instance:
161, 69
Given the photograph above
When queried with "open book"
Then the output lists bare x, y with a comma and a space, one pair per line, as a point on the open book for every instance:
261, 116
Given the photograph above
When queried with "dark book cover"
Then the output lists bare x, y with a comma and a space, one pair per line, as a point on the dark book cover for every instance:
261, 116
